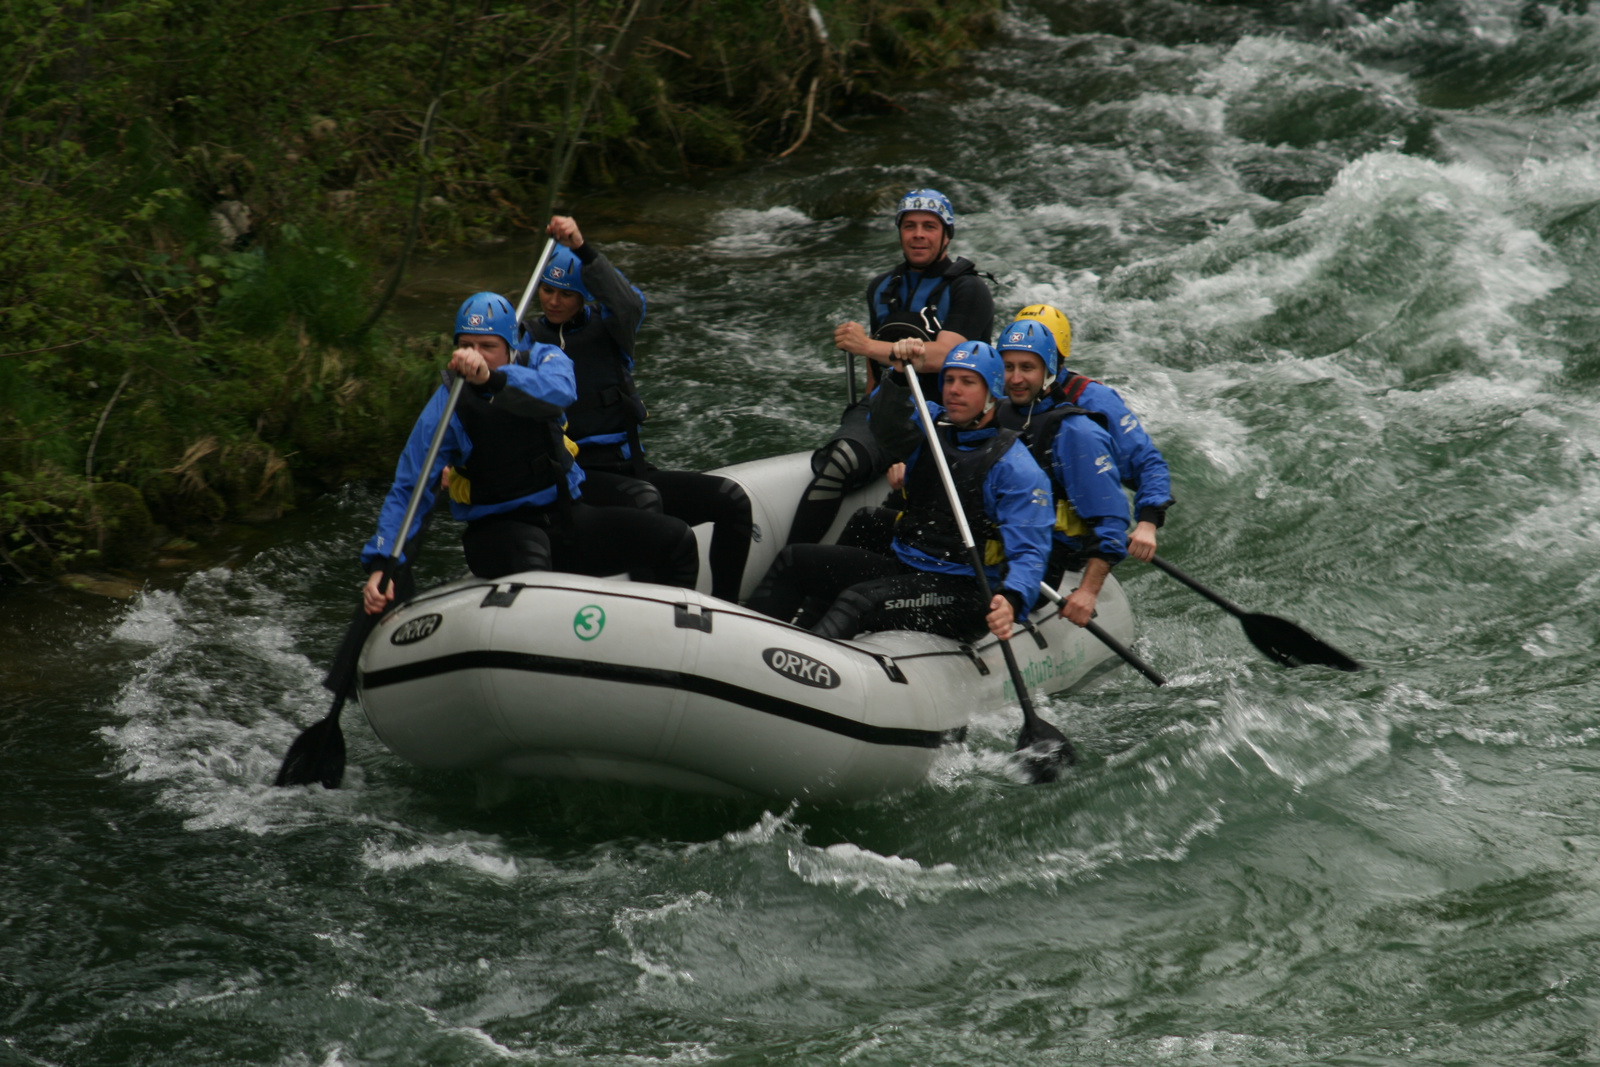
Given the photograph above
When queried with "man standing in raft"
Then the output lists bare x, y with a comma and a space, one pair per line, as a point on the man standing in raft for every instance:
930, 297
1139, 463
1074, 447
928, 584
517, 488
592, 313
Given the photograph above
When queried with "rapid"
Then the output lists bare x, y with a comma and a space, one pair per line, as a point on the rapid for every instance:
1344, 260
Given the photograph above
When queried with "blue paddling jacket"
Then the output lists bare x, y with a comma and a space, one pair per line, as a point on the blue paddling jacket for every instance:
1139, 463
1014, 494
546, 379
1076, 450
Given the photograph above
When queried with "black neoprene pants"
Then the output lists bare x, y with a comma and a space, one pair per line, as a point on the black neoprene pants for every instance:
851, 458
854, 590
695, 498
590, 540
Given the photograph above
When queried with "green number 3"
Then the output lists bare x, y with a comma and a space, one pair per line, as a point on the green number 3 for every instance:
588, 622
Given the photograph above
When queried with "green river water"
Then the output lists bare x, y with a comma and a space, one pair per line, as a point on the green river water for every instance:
1343, 258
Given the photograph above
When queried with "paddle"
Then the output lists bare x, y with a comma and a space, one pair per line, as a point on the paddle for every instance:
1278, 639
1049, 746
317, 755
1110, 642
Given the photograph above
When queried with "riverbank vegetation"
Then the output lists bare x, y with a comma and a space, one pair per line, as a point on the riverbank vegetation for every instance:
208, 207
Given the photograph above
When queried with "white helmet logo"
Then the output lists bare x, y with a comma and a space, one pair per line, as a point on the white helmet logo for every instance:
474, 320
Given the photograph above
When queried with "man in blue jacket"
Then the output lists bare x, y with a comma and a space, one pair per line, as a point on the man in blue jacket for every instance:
927, 296
1076, 449
514, 483
1139, 463
927, 583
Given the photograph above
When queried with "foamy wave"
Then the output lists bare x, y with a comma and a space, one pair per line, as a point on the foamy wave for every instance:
469, 851
744, 231
859, 870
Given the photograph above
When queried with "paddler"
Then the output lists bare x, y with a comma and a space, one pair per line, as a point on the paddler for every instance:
1139, 463
927, 582
1074, 447
593, 313
515, 484
928, 296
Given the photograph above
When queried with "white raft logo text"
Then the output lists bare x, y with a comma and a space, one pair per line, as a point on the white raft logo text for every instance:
413, 630
926, 600
802, 669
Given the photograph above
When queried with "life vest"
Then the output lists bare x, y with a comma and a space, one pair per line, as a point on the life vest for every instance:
518, 447
1071, 388
903, 310
1038, 430
928, 524
608, 402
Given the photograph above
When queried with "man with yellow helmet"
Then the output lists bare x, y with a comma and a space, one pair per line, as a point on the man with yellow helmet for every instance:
1139, 463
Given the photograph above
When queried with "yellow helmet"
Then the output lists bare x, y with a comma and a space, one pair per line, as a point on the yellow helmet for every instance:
1052, 320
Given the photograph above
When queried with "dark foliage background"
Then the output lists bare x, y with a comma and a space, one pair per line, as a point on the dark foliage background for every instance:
206, 204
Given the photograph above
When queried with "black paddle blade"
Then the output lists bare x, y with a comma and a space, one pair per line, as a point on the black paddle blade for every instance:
317, 755
1283, 642
1042, 750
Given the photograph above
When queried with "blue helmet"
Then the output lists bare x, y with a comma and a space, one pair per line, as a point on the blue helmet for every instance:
981, 359
1031, 335
488, 313
927, 200
564, 270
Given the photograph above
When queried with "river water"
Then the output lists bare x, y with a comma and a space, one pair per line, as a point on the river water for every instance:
1344, 264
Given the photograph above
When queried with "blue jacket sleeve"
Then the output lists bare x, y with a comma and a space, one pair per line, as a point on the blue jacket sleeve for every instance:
453, 449
1139, 462
1084, 463
548, 376
1017, 496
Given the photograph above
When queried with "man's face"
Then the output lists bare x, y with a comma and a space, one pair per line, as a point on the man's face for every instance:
922, 239
1024, 376
558, 305
966, 394
494, 350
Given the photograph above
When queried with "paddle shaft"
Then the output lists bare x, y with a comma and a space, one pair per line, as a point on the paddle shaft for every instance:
1279, 639
850, 377
1128, 655
1033, 727
1220, 601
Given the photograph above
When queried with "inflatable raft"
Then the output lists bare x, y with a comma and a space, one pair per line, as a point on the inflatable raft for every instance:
564, 676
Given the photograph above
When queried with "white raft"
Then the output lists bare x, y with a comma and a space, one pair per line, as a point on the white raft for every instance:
563, 676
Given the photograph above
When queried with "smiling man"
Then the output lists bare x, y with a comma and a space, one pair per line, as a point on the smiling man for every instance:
928, 297
1139, 462
927, 582
1075, 448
